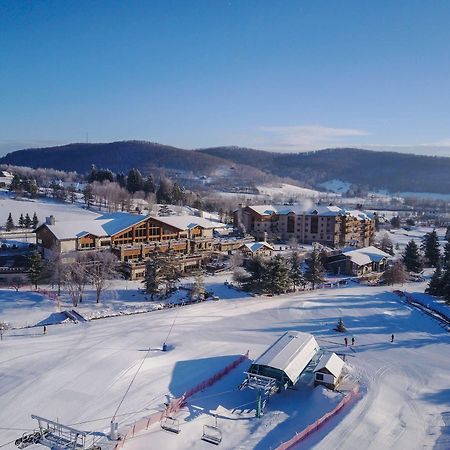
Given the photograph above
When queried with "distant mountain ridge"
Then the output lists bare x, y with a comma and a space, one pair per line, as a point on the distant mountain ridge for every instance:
394, 172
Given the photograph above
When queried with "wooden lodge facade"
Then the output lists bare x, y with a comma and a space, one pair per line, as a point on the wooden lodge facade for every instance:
133, 238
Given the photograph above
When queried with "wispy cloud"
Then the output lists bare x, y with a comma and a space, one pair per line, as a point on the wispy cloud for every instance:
305, 137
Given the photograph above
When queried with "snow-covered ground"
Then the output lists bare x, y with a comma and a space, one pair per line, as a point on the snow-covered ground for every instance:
79, 373
42, 207
336, 185
289, 190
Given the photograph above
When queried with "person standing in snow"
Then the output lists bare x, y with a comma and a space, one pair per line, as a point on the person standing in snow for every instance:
353, 341
346, 341
392, 338
45, 329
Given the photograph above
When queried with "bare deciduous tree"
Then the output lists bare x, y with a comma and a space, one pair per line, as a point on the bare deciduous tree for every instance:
75, 277
102, 267
17, 283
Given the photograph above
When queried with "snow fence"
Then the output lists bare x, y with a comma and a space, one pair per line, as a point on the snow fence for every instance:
176, 404
319, 422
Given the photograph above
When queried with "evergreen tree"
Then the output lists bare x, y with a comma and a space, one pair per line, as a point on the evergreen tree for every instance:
178, 195
27, 221
16, 184
395, 222
21, 221
153, 275
198, 289
161, 268
35, 221
149, 186
431, 248
315, 271
445, 284
447, 233
35, 268
447, 253
435, 284
295, 271
9, 223
257, 272
134, 181
340, 327
121, 180
277, 278
411, 258
164, 192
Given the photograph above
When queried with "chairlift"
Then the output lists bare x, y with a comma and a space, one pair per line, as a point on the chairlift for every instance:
212, 434
171, 424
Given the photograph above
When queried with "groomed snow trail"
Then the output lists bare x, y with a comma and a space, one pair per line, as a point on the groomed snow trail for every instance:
78, 373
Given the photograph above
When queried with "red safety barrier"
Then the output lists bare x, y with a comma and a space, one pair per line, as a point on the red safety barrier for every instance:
318, 423
176, 404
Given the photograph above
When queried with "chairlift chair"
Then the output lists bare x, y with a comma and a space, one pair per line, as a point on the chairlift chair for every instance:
211, 434
168, 423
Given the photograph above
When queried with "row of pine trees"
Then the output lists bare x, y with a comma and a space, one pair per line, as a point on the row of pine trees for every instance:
432, 256
281, 274
24, 222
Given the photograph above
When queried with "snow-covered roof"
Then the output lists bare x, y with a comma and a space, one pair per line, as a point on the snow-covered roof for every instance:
366, 255
255, 246
321, 210
291, 353
264, 210
101, 226
332, 363
186, 222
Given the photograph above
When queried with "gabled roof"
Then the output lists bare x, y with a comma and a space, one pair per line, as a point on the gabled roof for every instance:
101, 226
321, 210
187, 222
291, 353
264, 210
332, 363
366, 255
117, 222
255, 246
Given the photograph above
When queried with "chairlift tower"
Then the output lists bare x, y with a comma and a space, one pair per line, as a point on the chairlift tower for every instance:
264, 387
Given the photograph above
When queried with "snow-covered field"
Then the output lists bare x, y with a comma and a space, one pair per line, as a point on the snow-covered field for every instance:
79, 373
42, 207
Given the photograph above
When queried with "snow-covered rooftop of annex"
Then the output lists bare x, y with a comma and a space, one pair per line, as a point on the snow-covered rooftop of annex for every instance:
322, 210
291, 353
332, 363
366, 255
255, 246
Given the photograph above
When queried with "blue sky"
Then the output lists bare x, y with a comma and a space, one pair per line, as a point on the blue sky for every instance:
277, 75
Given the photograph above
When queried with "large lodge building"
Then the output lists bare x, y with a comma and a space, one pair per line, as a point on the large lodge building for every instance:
134, 237
328, 225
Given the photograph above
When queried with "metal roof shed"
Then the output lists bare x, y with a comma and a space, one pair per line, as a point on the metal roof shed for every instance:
329, 370
287, 358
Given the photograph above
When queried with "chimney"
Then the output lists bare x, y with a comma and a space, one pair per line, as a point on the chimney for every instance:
50, 220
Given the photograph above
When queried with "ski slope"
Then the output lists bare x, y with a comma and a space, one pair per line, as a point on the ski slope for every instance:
78, 373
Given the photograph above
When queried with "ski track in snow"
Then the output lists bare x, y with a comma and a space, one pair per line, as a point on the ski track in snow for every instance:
79, 373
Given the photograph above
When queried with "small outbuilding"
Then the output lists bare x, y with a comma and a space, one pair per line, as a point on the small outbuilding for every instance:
286, 359
329, 370
257, 248
358, 262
